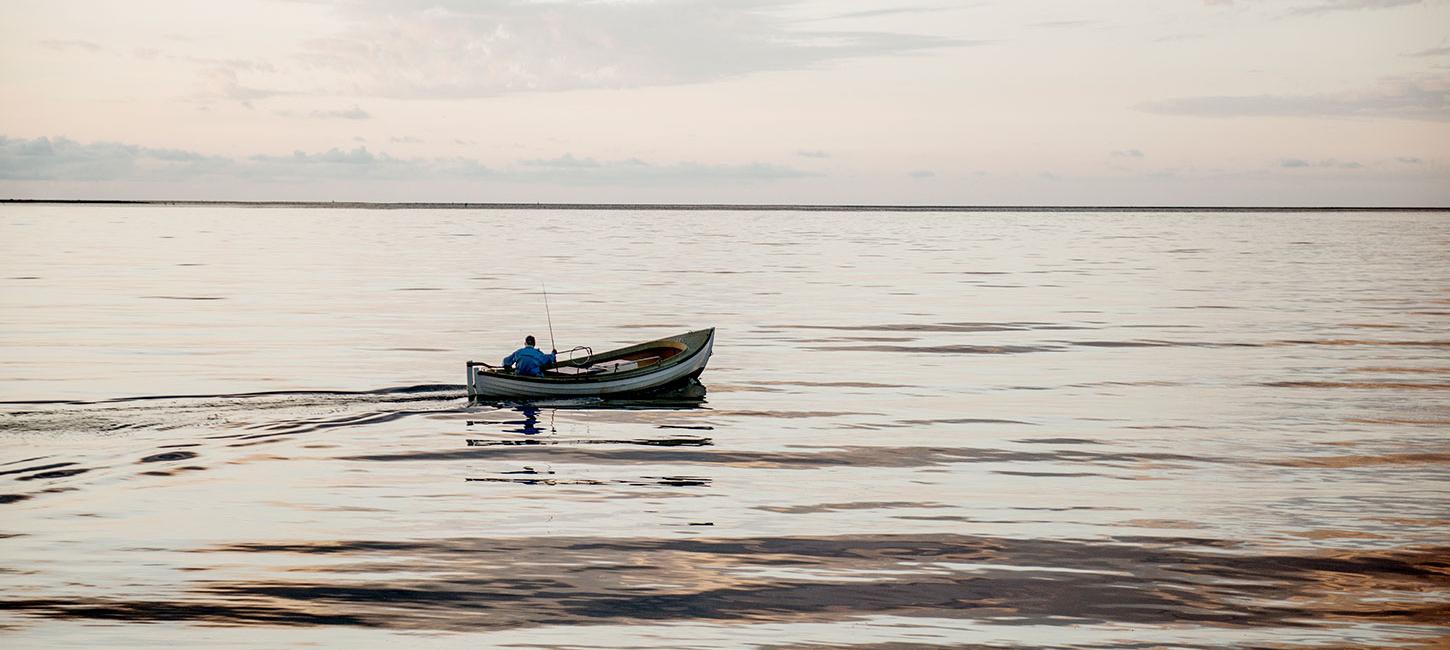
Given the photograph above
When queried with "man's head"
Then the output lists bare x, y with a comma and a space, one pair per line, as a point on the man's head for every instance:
529, 340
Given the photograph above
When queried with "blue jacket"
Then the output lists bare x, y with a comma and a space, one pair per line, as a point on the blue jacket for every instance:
529, 359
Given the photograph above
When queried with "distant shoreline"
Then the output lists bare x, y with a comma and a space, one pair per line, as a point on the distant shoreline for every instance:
759, 207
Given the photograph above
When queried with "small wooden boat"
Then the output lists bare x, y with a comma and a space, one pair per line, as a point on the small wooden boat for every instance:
641, 368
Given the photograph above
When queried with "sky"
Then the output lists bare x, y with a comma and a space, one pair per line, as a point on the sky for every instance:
970, 102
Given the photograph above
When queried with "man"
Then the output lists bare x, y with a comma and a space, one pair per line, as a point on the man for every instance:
529, 359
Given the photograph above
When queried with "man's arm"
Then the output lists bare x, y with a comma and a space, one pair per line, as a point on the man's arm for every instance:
508, 361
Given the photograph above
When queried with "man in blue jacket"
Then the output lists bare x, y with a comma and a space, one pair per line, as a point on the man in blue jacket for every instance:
529, 359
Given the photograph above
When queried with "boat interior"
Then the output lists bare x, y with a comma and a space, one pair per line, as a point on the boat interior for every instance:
622, 360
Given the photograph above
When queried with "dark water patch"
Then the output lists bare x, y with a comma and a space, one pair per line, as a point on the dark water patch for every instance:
899, 424
1392, 385
790, 415
179, 446
37, 468
1149, 343
1346, 461
969, 273
184, 297
1057, 441
1008, 472
803, 458
1366, 342
59, 473
191, 611
699, 427
955, 518
168, 456
191, 264
1406, 421
939, 349
23, 277
1151, 382
833, 384
499, 583
309, 426
419, 289
929, 422
1206, 307
643, 481
852, 505
423, 391
857, 339
971, 326
1070, 508
1441, 370
684, 441
13, 498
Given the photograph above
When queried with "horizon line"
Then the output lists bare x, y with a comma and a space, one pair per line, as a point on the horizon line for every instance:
782, 207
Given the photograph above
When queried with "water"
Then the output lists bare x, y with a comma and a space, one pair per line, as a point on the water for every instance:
1010, 429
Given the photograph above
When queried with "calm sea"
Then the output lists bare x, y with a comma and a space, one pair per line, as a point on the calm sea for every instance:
246, 427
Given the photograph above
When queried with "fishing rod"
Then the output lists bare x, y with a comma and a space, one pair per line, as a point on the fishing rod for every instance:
555, 344
552, 343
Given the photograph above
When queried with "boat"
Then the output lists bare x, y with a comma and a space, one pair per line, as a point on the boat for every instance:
637, 369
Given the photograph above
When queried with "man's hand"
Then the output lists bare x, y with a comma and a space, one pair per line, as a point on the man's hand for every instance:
553, 351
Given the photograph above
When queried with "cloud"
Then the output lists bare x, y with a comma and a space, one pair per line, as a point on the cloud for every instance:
1298, 163
1319, 7
921, 173
1426, 98
344, 113
1410, 160
222, 82
65, 159
633, 170
353, 113
876, 13
358, 163
568, 161
1327, 6
453, 48
407, 139
1184, 36
1128, 153
62, 159
812, 153
1434, 51
84, 46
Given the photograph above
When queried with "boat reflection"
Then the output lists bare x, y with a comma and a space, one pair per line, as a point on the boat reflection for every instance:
687, 395
507, 451
529, 426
